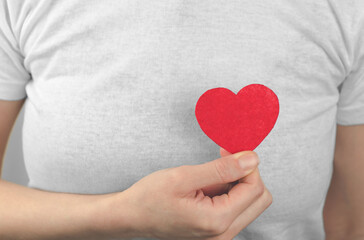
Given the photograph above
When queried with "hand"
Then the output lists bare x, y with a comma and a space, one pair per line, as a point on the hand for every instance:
200, 201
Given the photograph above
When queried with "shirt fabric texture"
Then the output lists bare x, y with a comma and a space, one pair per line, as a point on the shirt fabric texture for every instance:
111, 88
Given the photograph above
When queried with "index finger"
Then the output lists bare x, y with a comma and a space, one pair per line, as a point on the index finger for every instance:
241, 195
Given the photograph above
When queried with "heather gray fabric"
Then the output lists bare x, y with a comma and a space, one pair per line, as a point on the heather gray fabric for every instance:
111, 89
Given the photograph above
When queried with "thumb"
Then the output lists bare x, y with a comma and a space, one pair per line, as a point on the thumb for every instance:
222, 170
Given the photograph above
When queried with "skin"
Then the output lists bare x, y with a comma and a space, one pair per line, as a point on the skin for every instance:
167, 204
344, 209
131, 213
171, 204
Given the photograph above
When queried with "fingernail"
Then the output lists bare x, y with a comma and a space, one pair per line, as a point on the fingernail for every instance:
249, 160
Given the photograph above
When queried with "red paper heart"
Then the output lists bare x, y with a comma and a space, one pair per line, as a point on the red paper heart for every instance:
237, 122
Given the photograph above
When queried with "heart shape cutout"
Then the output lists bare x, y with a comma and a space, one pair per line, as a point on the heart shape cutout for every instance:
237, 122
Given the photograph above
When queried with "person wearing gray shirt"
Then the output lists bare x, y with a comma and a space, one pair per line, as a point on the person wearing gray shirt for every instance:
109, 91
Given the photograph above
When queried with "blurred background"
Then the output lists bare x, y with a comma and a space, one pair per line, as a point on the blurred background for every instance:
13, 166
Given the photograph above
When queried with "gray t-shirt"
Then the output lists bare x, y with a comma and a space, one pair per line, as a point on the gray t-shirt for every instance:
111, 89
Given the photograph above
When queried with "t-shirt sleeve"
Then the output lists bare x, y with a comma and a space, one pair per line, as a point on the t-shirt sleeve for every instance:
350, 108
13, 75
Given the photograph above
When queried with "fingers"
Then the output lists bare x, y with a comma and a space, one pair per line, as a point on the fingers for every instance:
222, 170
217, 189
241, 196
223, 152
250, 214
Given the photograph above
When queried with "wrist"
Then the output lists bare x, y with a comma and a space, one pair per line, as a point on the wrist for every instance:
113, 215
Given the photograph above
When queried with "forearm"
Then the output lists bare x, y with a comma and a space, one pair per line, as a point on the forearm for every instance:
27, 213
